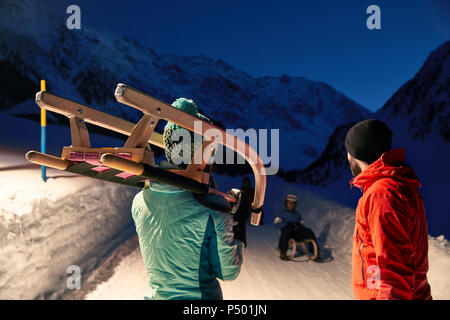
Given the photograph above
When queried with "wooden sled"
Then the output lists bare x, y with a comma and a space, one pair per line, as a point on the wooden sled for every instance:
293, 248
133, 164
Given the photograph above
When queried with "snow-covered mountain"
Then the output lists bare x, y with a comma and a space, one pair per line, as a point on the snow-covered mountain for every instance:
86, 65
329, 166
419, 115
422, 105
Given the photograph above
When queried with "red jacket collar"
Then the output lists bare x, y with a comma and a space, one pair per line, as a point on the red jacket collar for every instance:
390, 164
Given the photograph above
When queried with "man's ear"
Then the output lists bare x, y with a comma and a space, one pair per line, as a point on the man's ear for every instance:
363, 165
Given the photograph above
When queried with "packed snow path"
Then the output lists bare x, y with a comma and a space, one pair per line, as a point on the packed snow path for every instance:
262, 277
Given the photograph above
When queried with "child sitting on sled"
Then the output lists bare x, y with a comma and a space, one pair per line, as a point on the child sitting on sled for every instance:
292, 227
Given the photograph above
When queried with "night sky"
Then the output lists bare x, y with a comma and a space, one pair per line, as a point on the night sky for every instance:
320, 40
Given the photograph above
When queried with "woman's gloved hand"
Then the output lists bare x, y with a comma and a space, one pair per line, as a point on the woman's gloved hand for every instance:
241, 213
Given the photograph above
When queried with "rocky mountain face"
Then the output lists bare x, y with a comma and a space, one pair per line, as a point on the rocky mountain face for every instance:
422, 105
331, 166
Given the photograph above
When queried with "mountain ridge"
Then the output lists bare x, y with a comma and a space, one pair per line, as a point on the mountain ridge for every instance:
85, 66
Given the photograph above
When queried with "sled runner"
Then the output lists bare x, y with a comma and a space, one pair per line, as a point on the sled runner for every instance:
133, 164
311, 255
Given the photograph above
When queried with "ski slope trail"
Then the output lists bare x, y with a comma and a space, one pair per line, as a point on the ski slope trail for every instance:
265, 276
262, 278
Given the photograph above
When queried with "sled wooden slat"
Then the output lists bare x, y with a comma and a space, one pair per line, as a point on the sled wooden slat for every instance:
119, 163
294, 243
47, 160
70, 108
142, 132
78, 132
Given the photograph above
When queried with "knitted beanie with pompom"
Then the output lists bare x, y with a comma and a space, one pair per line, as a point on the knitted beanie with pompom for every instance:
174, 147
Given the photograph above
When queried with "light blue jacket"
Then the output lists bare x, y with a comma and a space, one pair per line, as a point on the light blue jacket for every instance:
185, 246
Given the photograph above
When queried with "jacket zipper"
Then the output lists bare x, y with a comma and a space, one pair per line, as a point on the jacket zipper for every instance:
362, 259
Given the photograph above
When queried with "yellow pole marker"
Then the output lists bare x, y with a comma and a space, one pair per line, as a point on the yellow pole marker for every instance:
43, 111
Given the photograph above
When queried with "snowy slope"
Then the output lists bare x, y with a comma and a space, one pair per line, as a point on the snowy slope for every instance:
86, 65
420, 113
46, 227
422, 105
264, 275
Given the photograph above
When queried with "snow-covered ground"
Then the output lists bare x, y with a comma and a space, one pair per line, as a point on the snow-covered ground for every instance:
264, 275
46, 227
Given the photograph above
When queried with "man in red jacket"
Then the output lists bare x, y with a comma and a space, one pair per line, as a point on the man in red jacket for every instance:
390, 241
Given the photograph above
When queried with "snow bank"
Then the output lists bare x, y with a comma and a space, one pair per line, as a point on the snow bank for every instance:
46, 227
439, 259
127, 281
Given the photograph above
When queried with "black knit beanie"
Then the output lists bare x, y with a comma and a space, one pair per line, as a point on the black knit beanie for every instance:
368, 140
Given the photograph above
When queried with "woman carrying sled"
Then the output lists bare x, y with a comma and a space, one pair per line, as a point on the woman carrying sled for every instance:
186, 246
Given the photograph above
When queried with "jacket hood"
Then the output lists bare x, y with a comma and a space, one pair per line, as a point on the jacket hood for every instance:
391, 164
